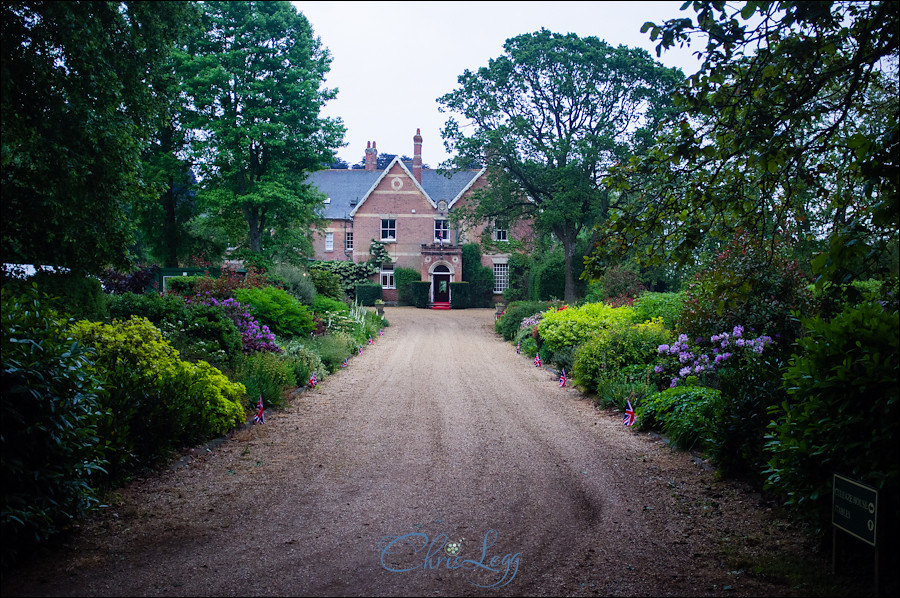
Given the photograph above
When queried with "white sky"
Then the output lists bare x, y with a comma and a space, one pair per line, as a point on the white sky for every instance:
392, 60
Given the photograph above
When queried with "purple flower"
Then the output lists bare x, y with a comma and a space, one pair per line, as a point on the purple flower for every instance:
662, 349
659, 369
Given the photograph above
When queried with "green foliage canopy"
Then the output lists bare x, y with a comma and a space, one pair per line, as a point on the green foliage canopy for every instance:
79, 100
789, 129
256, 86
550, 116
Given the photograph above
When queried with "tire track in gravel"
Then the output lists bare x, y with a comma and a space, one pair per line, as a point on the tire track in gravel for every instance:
438, 429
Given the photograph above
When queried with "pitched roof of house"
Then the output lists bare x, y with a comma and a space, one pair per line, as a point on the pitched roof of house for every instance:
348, 188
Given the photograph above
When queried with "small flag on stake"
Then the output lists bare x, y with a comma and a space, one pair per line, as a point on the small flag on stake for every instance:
562, 379
343, 365
537, 361
518, 348
313, 381
370, 339
259, 418
628, 420
360, 349
381, 332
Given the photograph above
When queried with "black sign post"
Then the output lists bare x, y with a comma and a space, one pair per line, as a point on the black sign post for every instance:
854, 510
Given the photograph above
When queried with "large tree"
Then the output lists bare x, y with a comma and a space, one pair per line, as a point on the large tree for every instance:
78, 105
788, 130
255, 83
549, 117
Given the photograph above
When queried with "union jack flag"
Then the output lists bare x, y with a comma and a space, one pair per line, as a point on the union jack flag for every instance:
313, 380
360, 349
537, 361
562, 379
259, 418
518, 348
628, 420
381, 332
370, 339
343, 365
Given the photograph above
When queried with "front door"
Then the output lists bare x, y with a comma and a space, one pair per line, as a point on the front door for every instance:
441, 288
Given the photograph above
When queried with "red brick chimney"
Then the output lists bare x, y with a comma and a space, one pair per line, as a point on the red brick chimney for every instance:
417, 156
371, 156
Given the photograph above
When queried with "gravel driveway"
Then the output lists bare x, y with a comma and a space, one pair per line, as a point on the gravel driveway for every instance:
438, 463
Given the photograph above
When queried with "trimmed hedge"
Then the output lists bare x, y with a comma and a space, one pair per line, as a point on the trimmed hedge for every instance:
459, 295
367, 293
420, 293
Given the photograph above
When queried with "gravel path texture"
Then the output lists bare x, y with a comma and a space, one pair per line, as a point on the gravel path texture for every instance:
439, 462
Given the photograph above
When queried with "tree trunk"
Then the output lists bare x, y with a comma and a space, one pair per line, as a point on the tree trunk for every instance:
569, 236
251, 213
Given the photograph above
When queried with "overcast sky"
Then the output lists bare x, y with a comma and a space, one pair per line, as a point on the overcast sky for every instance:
392, 60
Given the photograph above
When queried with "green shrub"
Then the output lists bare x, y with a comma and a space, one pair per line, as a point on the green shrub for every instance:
183, 285
842, 412
148, 393
612, 349
481, 278
332, 349
51, 409
750, 386
752, 285
266, 374
459, 295
620, 285
404, 277
77, 296
327, 283
509, 323
631, 383
685, 413
420, 293
570, 327
348, 274
367, 293
197, 330
667, 306
282, 313
304, 359
323, 305
295, 281
153, 306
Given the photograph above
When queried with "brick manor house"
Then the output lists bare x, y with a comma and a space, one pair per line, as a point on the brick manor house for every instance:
406, 207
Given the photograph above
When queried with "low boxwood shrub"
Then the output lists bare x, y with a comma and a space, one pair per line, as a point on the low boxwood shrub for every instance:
685, 413
841, 415
52, 405
304, 359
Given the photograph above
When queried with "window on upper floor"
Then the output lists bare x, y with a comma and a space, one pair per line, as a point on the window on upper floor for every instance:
501, 233
441, 230
388, 229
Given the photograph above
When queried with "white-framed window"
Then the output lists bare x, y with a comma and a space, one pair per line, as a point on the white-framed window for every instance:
348, 240
441, 230
329, 241
500, 233
388, 229
387, 276
501, 278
